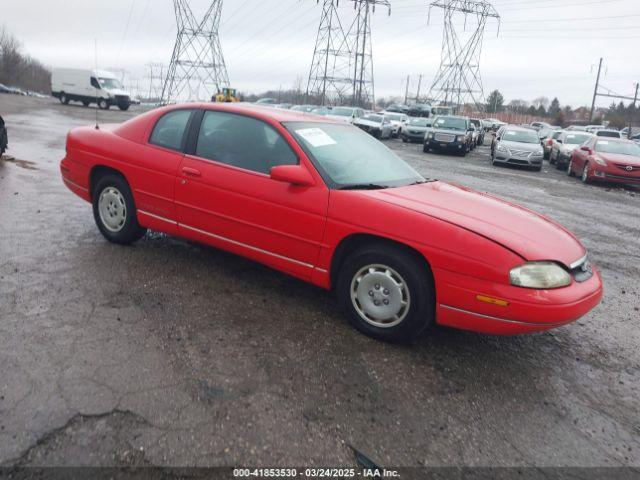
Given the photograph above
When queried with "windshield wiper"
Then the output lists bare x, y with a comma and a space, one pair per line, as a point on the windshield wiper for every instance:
363, 186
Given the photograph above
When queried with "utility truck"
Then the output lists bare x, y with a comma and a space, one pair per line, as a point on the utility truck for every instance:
89, 86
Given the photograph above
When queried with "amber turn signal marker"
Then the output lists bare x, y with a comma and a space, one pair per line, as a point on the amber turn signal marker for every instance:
492, 301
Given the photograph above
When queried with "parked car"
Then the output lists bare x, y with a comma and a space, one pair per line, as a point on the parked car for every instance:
634, 131
321, 111
267, 101
4, 137
416, 129
474, 136
346, 114
398, 122
398, 108
549, 142
518, 146
422, 110
636, 138
376, 125
4, 89
608, 133
481, 130
576, 128
89, 86
449, 133
322, 201
594, 128
564, 146
607, 160
539, 125
303, 108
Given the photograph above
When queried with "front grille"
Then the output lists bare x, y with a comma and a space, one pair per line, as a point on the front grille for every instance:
622, 177
520, 153
583, 271
415, 132
515, 161
444, 137
122, 98
622, 166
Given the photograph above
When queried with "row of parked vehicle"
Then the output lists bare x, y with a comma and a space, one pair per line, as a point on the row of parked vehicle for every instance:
594, 153
18, 91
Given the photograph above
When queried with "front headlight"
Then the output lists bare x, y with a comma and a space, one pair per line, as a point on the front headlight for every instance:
429, 136
599, 160
502, 148
460, 138
540, 275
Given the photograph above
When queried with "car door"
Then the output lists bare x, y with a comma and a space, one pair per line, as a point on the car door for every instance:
156, 164
226, 197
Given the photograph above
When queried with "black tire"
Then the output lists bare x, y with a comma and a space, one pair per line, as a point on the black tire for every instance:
86, 104
425, 148
64, 99
404, 140
103, 104
537, 168
585, 174
418, 278
131, 231
124, 108
570, 168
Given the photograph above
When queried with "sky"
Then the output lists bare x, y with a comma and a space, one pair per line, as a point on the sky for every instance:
541, 48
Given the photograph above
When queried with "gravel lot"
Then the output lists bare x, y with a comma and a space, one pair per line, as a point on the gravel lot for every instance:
171, 353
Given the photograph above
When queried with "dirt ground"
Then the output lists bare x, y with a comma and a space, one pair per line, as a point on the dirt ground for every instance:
171, 353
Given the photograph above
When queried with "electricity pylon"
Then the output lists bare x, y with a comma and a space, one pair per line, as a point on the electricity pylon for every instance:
156, 81
342, 67
197, 70
458, 80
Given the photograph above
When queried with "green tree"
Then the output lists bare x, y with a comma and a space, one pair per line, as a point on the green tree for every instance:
554, 108
495, 102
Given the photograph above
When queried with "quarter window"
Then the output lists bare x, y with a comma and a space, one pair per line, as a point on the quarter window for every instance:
242, 142
170, 130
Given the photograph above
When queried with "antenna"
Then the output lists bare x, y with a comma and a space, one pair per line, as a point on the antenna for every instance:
95, 42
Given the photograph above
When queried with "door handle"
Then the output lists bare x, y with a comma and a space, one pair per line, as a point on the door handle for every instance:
192, 172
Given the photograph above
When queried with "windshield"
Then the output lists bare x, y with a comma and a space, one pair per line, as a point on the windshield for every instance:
576, 139
110, 84
420, 122
346, 156
622, 148
342, 112
450, 123
521, 136
373, 118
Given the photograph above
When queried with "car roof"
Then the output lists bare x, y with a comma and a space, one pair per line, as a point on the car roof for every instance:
260, 111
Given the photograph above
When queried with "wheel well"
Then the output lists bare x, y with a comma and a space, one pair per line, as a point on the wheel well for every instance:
355, 242
97, 173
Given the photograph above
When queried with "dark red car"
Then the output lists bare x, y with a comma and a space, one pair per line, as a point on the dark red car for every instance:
607, 160
325, 202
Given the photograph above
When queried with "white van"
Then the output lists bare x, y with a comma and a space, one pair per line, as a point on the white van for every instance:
89, 86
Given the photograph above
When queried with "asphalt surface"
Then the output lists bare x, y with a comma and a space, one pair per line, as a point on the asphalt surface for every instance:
171, 353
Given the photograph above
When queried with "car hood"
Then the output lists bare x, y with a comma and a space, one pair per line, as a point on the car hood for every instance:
340, 118
618, 158
526, 233
417, 129
447, 130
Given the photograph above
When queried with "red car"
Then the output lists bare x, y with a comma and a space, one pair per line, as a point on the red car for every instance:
607, 160
325, 202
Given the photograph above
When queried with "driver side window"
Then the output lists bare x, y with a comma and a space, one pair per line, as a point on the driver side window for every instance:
94, 83
242, 142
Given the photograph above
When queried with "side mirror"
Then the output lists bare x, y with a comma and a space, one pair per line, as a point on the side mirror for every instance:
586, 149
559, 141
293, 174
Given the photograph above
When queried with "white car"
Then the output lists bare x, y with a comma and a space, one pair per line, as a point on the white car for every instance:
398, 122
346, 114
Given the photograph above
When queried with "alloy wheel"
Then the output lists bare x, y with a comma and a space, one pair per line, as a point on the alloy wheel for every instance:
113, 209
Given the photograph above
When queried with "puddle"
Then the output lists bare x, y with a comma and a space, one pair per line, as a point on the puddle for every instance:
20, 163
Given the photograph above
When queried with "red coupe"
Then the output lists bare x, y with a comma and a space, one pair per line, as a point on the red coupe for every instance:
325, 202
607, 160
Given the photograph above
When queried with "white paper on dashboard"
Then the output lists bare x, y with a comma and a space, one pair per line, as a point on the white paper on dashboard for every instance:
316, 137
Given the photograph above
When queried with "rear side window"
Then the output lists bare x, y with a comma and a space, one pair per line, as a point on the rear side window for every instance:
170, 130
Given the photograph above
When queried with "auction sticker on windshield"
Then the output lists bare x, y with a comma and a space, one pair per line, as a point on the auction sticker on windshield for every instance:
316, 137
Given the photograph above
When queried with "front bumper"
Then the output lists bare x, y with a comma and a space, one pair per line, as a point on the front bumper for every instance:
511, 159
413, 137
527, 310
614, 174
442, 145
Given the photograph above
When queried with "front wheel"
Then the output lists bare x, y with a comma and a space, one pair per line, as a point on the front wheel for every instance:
570, 168
124, 108
103, 104
114, 211
387, 293
585, 173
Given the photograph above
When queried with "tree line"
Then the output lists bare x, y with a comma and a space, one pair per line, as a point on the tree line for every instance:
618, 115
20, 70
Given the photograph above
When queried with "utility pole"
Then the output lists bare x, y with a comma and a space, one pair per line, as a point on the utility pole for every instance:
406, 90
635, 100
595, 92
419, 88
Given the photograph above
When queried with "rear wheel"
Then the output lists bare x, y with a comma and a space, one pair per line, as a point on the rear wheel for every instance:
114, 211
64, 99
387, 292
